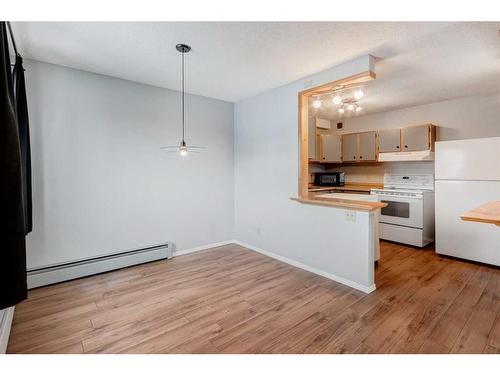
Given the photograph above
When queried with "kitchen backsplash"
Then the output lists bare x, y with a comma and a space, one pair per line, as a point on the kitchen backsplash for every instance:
375, 173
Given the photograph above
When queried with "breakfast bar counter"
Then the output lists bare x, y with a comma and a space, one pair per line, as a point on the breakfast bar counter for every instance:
339, 202
488, 213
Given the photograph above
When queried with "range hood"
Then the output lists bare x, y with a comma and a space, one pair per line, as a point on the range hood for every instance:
406, 156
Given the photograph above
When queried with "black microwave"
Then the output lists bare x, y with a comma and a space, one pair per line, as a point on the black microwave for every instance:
329, 179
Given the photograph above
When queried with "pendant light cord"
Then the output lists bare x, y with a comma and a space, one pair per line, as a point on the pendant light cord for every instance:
182, 97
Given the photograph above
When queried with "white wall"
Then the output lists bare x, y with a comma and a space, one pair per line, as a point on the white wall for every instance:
266, 176
101, 184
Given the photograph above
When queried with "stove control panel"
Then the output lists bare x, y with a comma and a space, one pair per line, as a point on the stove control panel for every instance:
409, 181
385, 193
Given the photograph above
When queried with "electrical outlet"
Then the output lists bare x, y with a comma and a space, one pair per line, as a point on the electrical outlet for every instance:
350, 215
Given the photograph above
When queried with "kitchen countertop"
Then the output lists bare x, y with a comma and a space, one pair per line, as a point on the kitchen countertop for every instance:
350, 196
343, 201
347, 187
335, 200
488, 213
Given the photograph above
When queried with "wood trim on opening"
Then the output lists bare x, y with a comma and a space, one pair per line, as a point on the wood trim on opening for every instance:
303, 145
303, 131
348, 81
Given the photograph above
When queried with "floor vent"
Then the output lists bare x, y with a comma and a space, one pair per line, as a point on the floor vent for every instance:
67, 271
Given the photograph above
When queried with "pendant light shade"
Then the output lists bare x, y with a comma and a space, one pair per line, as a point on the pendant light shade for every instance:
183, 149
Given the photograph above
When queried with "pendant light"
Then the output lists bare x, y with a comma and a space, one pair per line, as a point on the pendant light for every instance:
183, 148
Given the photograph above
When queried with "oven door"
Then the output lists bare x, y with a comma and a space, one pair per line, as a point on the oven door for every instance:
406, 211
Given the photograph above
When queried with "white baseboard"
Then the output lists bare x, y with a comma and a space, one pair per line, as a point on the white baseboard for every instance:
87, 267
339, 279
64, 272
204, 247
5, 324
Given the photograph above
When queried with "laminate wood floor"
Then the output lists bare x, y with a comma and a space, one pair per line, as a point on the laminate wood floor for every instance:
232, 300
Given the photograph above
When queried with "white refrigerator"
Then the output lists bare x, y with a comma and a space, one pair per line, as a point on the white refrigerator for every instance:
467, 175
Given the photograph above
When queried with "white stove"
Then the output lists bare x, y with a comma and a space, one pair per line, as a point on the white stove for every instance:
409, 215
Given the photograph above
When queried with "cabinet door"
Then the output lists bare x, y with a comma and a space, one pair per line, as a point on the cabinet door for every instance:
312, 139
330, 147
367, 146
349, 147
389, 140
415, 138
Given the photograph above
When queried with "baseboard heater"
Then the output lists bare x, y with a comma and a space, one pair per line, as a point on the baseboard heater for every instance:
72, 270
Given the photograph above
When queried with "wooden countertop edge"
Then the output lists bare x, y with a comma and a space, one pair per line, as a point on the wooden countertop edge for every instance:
484, 217
465, 217
342, 203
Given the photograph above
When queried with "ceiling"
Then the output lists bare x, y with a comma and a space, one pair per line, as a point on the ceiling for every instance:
416, 62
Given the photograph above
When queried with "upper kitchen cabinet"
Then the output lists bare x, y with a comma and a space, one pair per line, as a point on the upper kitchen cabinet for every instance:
331, 146
350, 147
312, 139
359, 146
389, 140
367, 146
416, 143
418, 138
318, 127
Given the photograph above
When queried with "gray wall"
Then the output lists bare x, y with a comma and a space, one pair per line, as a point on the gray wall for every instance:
101, 184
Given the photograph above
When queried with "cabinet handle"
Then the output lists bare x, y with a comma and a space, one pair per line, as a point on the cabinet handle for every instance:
397, 146
406, 146
361, 157
354, 157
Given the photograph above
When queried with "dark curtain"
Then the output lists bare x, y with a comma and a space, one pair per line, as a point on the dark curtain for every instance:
12, 229
24, 139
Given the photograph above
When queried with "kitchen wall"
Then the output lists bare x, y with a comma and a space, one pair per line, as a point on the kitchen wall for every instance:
468, 117
101, 184
375, 173
266, 177
463, 118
